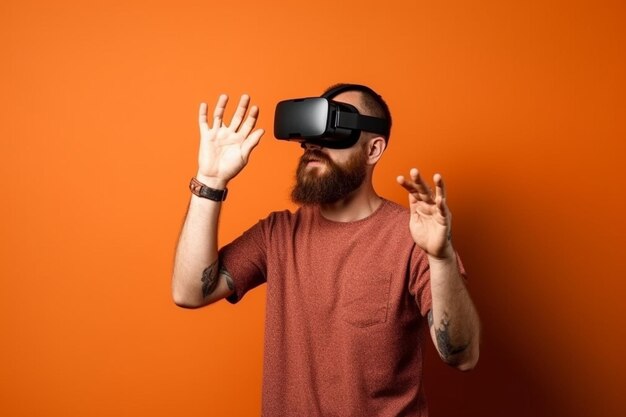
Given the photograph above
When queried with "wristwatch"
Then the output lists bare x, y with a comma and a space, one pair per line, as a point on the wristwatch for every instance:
204, 191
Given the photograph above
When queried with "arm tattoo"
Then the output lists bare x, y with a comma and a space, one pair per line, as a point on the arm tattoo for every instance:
446, 348
209, 279
228, 278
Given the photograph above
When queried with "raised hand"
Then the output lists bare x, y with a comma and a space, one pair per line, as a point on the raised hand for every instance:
430, 221
224, 150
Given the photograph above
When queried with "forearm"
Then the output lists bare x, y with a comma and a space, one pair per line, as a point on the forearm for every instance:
453, 319
224, 151
196, 252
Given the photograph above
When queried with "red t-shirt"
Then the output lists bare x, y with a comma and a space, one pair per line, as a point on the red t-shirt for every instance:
346, 303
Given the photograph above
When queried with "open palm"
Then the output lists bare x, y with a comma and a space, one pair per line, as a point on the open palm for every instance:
224, 150
430, 221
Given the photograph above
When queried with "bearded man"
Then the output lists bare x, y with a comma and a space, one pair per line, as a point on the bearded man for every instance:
351, 277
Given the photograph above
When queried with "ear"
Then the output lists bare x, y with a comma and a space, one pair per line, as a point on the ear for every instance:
375, 148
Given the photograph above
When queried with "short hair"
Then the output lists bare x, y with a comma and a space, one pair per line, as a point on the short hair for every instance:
372, 102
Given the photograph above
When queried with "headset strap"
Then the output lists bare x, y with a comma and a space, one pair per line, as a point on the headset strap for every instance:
359, 121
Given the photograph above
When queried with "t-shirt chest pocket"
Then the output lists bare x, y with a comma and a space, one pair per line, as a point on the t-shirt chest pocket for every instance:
365, 298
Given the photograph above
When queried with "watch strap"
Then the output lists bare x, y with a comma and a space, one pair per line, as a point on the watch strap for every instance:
205, 191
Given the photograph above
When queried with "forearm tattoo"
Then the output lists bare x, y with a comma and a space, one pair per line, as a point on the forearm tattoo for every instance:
446, 348
228, 278
210, 279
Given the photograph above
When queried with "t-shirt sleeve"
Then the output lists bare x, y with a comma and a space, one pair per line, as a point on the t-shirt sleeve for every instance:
419, 283
245, 259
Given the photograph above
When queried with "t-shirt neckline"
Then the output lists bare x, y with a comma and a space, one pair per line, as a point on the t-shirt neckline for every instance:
323, 221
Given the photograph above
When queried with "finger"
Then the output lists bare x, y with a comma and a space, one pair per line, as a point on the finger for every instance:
240, 112
422, 187
417, 186
440, 188
442, 206
218, 113
408, 187
250, 122
406, 184
202, 121
446, 216
251, 142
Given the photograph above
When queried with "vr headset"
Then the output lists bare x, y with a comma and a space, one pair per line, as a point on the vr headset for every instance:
324, 122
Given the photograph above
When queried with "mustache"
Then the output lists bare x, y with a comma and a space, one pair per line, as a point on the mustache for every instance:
314, 155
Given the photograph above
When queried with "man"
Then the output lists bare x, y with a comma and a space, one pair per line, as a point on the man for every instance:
351, 277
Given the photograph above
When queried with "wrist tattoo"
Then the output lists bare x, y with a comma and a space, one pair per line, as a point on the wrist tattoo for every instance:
209, 279
446, 348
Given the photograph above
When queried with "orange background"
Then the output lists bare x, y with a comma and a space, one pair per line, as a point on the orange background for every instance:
521, 106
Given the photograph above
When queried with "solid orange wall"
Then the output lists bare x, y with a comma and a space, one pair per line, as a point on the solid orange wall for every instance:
520, 105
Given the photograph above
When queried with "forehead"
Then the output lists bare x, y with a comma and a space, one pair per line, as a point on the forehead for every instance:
351, 97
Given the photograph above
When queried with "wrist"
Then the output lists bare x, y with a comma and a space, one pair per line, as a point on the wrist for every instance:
213, 182
445, 256
202, 190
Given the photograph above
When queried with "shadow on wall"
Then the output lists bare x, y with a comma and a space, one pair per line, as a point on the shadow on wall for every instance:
508, 380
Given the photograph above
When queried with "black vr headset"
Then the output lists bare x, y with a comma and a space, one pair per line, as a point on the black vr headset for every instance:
324, 122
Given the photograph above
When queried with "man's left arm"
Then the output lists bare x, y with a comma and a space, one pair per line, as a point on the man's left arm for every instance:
453, 320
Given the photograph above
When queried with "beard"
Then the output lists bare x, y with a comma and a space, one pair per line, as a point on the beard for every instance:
336, 183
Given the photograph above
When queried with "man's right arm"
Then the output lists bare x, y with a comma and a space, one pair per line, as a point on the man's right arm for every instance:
197, 279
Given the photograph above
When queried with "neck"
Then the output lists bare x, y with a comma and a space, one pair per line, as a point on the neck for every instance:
358, 205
